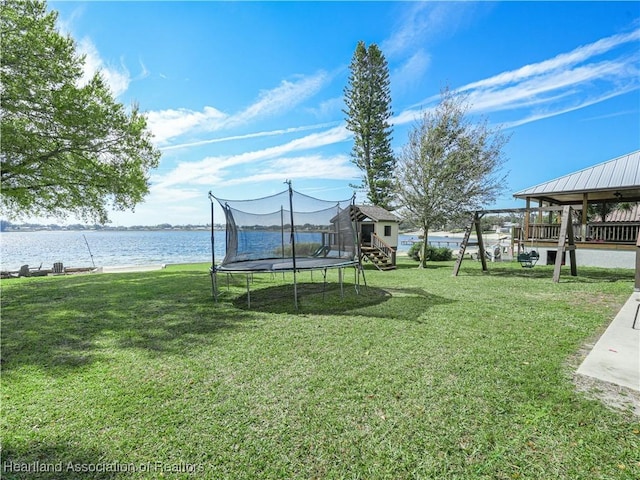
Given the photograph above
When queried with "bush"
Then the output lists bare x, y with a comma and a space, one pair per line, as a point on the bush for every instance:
434, 254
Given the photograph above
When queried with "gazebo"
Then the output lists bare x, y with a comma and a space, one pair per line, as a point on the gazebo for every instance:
605, 242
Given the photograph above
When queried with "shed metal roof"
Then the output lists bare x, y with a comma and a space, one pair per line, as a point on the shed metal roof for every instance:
614, 180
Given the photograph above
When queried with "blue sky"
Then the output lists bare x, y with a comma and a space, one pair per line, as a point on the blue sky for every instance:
242, 96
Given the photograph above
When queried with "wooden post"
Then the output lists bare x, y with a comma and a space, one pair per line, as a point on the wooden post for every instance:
583, 216
483, 257
475, 221
637, 287
527, 217
566, 230
463, 245
571, 241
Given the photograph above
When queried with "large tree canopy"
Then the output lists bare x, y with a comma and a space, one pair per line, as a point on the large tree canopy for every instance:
66, 148
449, 166
368, 108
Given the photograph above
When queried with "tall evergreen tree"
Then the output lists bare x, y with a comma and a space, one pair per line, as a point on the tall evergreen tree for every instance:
368, 109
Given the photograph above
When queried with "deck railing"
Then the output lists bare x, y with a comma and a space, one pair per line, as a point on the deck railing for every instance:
544, 231
384, 247
613, 232
618, 232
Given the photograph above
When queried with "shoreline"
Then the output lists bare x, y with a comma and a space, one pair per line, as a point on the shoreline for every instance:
39, 272
458, 235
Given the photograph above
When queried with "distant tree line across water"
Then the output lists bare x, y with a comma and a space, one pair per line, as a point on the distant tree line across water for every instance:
7, 226
488, 222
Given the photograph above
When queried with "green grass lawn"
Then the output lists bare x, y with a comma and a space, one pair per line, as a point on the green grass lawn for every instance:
421, 375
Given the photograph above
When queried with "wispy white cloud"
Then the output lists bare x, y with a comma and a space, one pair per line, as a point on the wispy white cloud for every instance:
208, 170
418, 25
418, 22
174, 123
619, 74
411, 25
613, 114
328, 108
411, 71
316, 166
560, 110
144, 71
247, 136
284, 97
168, 124
559, 62
405, 43
408, 115
564, 83
117, 78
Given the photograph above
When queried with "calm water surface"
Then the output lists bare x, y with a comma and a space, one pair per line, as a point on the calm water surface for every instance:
113, 248
109, 248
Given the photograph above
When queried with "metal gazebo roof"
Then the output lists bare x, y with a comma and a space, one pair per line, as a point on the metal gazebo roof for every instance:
614, 180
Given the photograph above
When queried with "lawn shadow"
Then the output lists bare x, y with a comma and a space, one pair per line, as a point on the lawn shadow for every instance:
414, 265
66, 323
330, 299
585, 274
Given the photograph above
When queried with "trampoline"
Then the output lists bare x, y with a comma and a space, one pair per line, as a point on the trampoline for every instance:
284, 265
285, 232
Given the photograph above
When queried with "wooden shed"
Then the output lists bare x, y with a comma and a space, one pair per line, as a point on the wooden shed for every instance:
378, 231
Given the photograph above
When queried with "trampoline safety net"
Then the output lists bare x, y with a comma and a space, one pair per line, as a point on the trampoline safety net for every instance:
287, 231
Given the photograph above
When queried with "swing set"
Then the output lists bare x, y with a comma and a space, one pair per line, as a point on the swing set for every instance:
527, 259
530, 258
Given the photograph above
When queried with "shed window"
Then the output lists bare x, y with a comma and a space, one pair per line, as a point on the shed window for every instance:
387, 230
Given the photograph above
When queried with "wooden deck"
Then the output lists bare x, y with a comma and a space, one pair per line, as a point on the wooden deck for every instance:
618, 235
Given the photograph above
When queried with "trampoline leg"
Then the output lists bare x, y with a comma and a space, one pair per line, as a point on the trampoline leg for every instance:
341, 284
356, 280
214, 290
324, 283
248, 294
364, 278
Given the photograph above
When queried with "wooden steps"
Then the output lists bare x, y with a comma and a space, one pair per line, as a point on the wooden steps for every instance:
379, 259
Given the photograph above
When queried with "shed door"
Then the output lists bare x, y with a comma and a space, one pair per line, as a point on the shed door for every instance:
366, 229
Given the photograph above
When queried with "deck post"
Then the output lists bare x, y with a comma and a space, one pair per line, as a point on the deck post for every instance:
637, 286
527, 220
583, 217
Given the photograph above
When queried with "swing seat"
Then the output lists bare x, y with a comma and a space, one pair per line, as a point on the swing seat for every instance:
528, 260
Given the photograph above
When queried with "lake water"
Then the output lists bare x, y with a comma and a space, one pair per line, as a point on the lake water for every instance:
116, 248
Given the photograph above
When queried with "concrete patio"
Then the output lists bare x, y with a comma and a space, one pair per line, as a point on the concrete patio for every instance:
615, 357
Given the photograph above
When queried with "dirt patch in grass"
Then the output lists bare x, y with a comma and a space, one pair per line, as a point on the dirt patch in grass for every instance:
613, 396
597, 300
